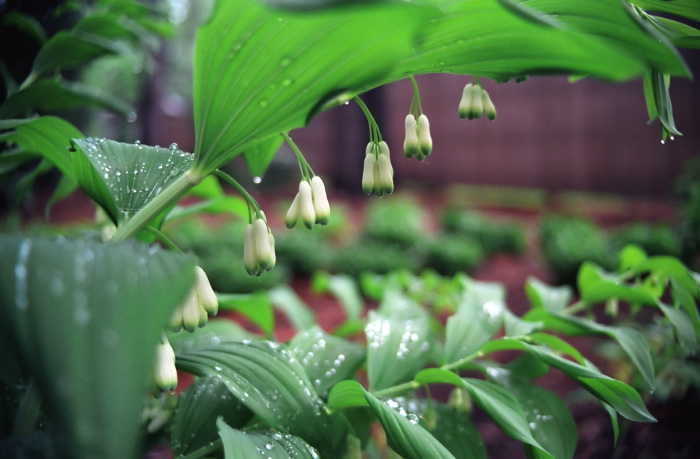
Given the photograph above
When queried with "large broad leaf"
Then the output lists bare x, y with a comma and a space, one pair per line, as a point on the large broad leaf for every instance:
271, 445
398, 340
482, 37
270, 382
550, 421
623, 398
85, 319
327, 359
273, 68
476, 321
49, 137
124, 177
194, 423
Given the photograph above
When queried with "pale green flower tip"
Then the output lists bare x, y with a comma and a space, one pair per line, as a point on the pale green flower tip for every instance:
205, 293
306, 204
322, 207
249, 258
293, 213
410, 143
489, 108
425, 141
466, 102
165, 373
368, 174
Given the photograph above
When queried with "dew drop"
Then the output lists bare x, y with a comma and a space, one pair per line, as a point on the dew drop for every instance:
173, 146
131, 117
263, 104
269, 446
286, 82
533, 426
21, 299
138, 142
285, 62
257, 179
663, 142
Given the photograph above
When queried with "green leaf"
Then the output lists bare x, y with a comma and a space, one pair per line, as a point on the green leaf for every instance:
270, 382
194, 423
550, 420
231, 205
26, 24
547, 297
259, 156
630, 256
454, 429
671, 268
255, 306
501, 406
327, 359
216, 331
124, 177
656, 87
398, 340
347, 394
272, 445
437, 376
85, 319
403, 433
681, 35
49, 137
58, 95
67, 49
595, 285
286, 300
685, 8
275, 68
344, 288
476, 321
683, 327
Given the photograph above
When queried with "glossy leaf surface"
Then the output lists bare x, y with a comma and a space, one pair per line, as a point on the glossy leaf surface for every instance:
271, 445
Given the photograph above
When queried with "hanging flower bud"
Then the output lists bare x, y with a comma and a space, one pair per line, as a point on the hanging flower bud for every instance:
306, 204
273, 260
263, 251
293, 213
164, 372
384, 177
384, 150
489, 108
368, 174
206, 295
466, 102
410, 144
250, 260
425, 142
321, 206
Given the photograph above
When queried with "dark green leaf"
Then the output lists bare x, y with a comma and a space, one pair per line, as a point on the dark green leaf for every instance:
454, 429
67, 49
272, 445
683, 327
26, 24
685, 8
327, 359
124, 177
656, 85
270, 382
501, 406
194, 423
216, 331
403, 433
85, 318
49, 137
255, 306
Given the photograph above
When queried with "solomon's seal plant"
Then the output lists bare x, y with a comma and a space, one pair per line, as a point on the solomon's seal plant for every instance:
85, 318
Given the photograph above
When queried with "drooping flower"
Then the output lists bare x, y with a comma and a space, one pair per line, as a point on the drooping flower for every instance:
425, 142
410, 143
258, 248
489, 108
306, 204
199, 303
322, 207
368, 172
378, 174
164, 372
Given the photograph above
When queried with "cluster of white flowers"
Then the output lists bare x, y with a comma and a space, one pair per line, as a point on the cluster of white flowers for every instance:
378, 174
418, 142
311, 203
258, 247
475, 101
200, 303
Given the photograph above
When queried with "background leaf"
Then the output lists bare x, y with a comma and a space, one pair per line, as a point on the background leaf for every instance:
87, 328
298, 313
254, 306
344, 288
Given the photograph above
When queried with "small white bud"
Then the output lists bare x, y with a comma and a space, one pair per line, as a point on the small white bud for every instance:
384, 150
164, 372
466, 102
322, 207
368, 174
477, 106
306, 204
293, 213
263, 251
250, 260
410, 143
385, 182
205, 293
273, 261
191, 315
424, 140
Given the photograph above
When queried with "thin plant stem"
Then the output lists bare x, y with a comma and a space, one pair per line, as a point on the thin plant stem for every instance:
239, 188
416, 108
306, 170
374, 133
164, 239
